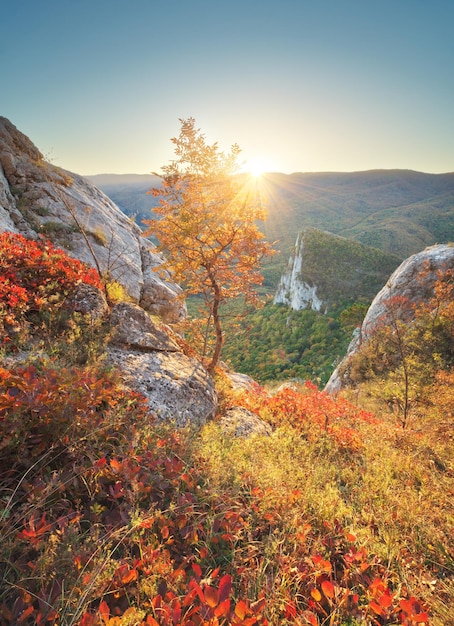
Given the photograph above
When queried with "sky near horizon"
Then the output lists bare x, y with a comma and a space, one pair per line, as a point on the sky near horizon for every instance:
301, 85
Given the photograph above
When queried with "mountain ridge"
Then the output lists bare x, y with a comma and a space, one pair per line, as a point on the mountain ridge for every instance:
398, 211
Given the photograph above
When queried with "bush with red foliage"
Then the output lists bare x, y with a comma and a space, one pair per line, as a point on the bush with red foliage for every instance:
35, 276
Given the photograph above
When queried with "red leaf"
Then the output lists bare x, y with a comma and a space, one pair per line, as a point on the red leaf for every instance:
311, 618
176, 612
225, 587
88, 619
290, 610
197, 570
412, 610
385, 600
104, 611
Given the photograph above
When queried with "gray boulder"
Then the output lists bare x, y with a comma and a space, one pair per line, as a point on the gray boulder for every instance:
241, 422
177, 387
89, 300
132, 327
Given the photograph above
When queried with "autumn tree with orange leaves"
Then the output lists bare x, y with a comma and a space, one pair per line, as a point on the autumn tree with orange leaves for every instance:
206, 226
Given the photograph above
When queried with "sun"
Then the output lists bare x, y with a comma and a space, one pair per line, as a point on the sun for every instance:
257, 166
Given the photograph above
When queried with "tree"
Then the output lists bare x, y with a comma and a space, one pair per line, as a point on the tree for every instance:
206, 226
410, 343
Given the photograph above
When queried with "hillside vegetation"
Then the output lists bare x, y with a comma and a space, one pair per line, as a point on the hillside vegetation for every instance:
276, 343
109, 518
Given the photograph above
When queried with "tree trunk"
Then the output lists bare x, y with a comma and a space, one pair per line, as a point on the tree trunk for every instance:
217, 326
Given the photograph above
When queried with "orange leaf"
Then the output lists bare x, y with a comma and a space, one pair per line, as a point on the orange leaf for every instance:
385, 600
241, 609
211, 596
165, 532
115, 465
129, 576
315, 593
25, 614
203, 553
223, 609
376, 608
328, 589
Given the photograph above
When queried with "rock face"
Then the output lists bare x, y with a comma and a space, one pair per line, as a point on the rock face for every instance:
292, 289
406, 282
326, 269
37, 198
241, 422
177, 387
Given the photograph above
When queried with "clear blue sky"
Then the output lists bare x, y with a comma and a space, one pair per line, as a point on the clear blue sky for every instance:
304, 85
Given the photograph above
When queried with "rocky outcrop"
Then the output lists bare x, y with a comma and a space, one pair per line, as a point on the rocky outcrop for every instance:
293, 290
177, 387
37, 198
133, 327
413, 283
90, 301
241, 422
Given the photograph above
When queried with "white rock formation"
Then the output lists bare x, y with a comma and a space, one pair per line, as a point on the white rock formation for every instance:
292, 289
407, 282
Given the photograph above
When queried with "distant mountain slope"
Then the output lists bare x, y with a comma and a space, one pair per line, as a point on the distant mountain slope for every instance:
129, 192
399, 211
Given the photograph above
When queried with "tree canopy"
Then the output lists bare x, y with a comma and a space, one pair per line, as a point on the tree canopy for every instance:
206, 226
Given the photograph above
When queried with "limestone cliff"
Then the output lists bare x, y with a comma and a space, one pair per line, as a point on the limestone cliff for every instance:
293, 290
37, 198
407, 282
327, 269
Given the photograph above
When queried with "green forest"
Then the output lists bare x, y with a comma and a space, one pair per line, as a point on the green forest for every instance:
276, 344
